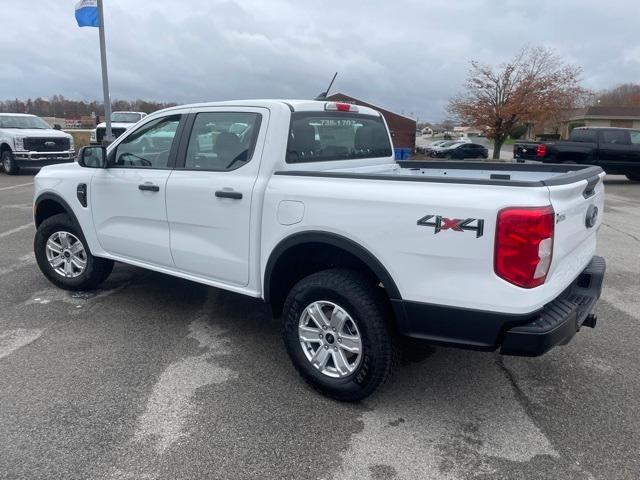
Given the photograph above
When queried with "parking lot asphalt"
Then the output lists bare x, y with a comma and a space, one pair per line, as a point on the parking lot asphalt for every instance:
156, 377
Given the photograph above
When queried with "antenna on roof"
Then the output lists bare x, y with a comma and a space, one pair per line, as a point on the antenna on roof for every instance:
323, 95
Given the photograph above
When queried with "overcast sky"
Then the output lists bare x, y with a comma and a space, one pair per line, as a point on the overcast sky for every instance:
410, 56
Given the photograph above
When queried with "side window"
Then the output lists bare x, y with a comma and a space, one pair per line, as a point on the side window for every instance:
635, 137
149, 146
222, 141
615, 137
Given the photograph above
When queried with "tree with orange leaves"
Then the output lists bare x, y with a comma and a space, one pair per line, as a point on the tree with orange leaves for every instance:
530, 88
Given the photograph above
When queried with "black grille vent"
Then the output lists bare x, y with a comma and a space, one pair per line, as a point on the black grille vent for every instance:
46, 144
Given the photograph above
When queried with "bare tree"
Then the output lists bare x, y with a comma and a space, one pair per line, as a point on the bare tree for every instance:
527, 89
625, 95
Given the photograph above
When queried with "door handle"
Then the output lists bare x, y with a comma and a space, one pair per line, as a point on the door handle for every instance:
149, 187
228, 194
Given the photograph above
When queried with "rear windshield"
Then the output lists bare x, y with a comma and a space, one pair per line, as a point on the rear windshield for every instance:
125, 117
582, 135
323, 136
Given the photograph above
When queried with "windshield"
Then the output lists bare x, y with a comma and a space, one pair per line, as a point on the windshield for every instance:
20, 121
322, 136
125, 117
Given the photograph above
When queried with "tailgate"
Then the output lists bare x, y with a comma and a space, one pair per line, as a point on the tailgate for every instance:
525, 150
578, 207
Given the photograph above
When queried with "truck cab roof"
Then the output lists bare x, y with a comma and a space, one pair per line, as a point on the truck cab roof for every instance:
292, 105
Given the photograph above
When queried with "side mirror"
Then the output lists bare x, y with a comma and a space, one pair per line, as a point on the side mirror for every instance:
93, 156
57, 126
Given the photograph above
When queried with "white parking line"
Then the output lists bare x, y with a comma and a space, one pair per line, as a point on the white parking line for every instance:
16, 186
28, 259
16, 230
12, 340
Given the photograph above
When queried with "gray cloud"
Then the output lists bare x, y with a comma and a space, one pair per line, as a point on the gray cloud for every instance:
407, 55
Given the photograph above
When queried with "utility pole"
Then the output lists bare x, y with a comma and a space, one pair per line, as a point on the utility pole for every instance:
105, 78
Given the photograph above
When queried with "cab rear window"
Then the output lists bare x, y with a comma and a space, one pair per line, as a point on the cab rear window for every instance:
325, 136
582, 135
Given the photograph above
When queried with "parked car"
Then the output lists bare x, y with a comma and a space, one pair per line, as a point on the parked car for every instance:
426, 148
443, 146
616, 150
461, 151
440, 145
307, 210
120, 122
29, 141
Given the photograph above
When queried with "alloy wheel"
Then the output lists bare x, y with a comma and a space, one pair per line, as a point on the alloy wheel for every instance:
330, 339
66, 254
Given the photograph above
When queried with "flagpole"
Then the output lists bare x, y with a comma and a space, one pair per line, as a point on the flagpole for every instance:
105, 78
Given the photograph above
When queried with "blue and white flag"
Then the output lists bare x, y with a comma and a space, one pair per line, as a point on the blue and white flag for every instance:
87, 13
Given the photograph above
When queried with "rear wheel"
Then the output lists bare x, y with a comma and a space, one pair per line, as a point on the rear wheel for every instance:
634, 177
9, 163
64, 257
336, 333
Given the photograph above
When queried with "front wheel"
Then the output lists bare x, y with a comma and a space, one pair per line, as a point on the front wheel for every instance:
64, 257
634, 177
337, 335
9, 163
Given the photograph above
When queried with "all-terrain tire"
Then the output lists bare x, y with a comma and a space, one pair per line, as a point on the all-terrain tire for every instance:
365, 302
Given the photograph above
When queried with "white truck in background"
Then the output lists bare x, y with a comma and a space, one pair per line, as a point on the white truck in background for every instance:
301, 203
120, 122
29, 141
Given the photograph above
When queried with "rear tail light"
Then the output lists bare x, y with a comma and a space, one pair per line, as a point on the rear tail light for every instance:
340, 107
524, 245
541, 151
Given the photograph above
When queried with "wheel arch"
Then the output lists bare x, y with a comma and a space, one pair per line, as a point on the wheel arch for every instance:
50, 204
4, 146
327, 250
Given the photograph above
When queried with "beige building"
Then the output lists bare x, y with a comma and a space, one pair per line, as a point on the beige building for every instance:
564, 121
623, 117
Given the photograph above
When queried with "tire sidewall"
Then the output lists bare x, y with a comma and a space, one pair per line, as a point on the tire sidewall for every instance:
7, 155
59, 223
369, 367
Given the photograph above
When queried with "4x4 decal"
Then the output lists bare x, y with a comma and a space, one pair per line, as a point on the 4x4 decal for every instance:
456, 224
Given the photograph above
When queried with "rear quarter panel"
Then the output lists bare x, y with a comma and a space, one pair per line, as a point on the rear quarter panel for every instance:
448, 268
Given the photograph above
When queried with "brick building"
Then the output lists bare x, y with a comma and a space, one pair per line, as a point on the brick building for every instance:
403, 129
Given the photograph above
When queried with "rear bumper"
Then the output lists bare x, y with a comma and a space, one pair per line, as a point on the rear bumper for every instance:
524, 335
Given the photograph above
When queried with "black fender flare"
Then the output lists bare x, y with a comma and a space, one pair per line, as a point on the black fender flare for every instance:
58, 199
334, 240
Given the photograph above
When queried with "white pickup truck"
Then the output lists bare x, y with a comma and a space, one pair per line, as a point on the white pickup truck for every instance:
301, 203
120, 122
29, 141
